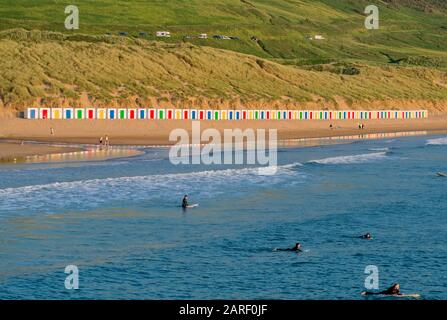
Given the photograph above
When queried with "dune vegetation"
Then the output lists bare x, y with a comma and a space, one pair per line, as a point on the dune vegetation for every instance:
271, 62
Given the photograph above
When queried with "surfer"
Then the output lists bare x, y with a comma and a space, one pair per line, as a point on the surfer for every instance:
296, 248
185, 203
394, 290
366, 236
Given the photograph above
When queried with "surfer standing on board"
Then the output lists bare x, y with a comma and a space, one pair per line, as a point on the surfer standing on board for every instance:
185, 201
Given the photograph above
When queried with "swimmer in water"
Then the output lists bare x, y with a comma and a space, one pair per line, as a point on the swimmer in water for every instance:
394, 290
296, 248
366, 236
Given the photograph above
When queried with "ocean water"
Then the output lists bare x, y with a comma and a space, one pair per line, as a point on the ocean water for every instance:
120, 223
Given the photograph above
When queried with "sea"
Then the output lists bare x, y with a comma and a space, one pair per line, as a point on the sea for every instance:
119, 224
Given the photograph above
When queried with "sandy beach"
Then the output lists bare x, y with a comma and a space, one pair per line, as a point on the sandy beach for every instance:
156, 132
10, 151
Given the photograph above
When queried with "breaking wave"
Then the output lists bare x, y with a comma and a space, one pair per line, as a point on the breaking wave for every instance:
437, 142
88, 194
352, 159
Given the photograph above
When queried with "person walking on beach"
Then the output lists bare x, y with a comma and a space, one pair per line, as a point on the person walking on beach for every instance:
51, 131
107, 141
100, 141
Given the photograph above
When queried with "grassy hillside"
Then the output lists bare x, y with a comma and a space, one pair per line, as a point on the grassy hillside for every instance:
282, 26
406, 59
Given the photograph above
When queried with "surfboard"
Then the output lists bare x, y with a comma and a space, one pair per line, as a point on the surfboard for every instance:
192, 206
442, 174
402, 295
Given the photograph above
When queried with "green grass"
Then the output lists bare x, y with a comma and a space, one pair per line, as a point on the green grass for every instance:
283, 26
285, 66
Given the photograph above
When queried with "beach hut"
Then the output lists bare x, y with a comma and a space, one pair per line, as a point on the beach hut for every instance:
142, 114
45, 113
161, 114
202, 114
152, 114
194, 114
101, 114
169, 114
230, 114
237, 115
111, 114
186, 114
209, 114
131, 114
90, 113
294, 115
32, 113
216, 115
68, 113
79, 113
56, 113
177, 114
122, 114
223, 115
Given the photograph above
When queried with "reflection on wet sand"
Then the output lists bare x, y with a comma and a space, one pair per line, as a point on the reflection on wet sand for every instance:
312, 142
89, 154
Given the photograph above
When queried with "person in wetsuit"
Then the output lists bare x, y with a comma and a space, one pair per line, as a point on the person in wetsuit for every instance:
185, 203
391, 291
296, 248
366, 236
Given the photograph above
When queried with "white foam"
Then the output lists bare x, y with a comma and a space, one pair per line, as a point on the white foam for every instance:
85, 194
437, 142
351, 159
379, 149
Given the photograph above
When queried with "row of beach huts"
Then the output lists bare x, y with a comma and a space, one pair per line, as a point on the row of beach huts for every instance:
199, 114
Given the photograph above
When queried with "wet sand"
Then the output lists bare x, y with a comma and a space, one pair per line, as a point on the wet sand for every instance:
13, 151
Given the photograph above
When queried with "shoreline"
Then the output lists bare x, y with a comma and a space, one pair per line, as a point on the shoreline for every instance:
75, 136
16, 151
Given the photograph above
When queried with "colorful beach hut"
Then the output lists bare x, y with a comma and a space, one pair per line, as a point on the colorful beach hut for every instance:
169, 114
122, 114
56, 113
223, 115
32, 113
161, 114
79, 113
111, 114
209, 114
151, 114
101, 114
194, 114
68, 113
90, 113
237, 115
45, 113
142, 114
131, 114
